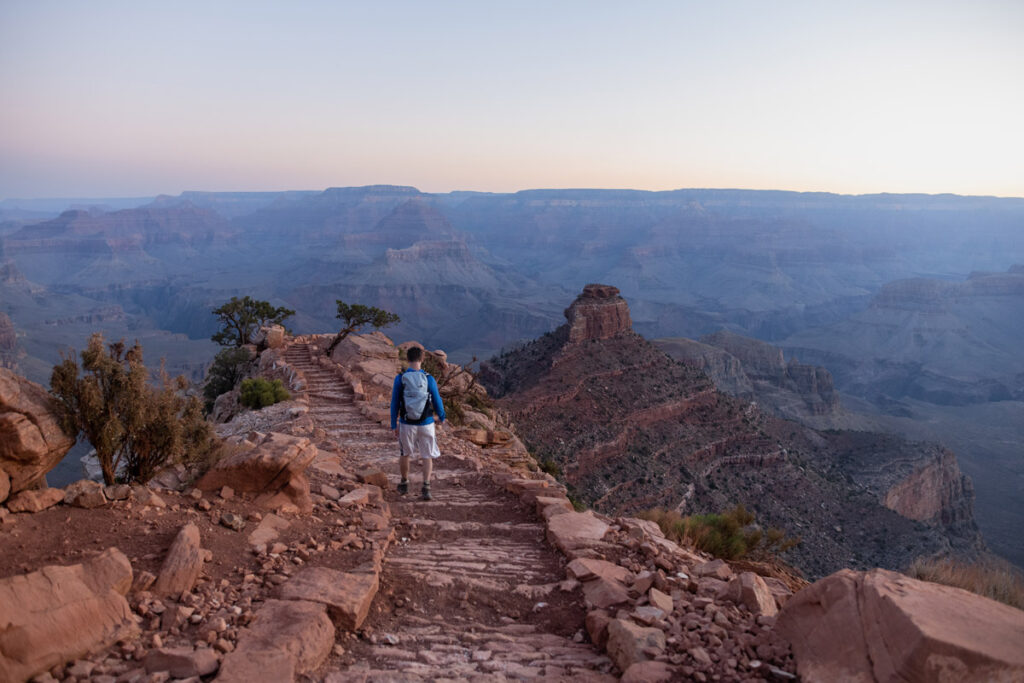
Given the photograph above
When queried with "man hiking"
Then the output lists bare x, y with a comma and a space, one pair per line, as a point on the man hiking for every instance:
414, 400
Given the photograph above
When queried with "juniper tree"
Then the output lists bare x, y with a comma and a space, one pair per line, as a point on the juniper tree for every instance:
355, 316
240, 319
135, 427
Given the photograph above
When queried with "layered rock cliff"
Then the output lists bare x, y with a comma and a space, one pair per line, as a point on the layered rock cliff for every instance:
598, 313
753, 369
633, 429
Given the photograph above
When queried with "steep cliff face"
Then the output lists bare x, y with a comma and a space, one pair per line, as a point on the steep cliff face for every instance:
633, 429
598, 313
919, 481
753, 369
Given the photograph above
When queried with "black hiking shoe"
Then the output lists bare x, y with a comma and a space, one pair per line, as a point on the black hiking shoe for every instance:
425, 492
403, 487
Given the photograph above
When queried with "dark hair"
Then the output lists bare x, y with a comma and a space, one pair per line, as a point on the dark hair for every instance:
414, 354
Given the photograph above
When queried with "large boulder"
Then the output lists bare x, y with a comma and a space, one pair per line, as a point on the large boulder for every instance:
883, 626
347, 595
58, 614
271, 466
287, 637
31, 439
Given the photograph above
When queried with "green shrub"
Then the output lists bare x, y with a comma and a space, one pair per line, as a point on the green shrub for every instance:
227, 369
551, 467
135, 427
730, 535
259, 393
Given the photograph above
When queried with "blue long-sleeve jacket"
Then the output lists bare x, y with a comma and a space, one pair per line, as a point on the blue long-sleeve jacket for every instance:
435, 397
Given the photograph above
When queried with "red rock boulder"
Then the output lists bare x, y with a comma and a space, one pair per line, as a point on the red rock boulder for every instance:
31, 439
884, 626
58, 614
272, 466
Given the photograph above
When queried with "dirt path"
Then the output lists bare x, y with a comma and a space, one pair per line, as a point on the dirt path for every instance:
470, 588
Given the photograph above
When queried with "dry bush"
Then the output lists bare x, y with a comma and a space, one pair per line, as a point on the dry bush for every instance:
993, 578
731, 535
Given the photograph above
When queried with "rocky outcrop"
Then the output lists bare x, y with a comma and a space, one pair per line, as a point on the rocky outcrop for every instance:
598, 313
919, 481
632, 429
56, 614
724, 369
272, 466
883, 626
31, 439
768, 370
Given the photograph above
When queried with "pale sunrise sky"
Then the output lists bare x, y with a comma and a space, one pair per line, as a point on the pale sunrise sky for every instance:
134, 98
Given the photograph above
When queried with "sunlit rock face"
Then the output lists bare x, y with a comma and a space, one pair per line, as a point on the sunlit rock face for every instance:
598, 313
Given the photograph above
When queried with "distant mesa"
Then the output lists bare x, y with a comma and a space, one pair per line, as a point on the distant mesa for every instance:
598, 313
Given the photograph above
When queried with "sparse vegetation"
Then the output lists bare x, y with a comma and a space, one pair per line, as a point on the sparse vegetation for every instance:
459, 388
259, 393
240, 319
550, 467
731, 535
355, 316
993, 578
136, 428
227, 370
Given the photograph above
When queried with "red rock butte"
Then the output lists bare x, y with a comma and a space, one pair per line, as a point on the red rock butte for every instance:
598, 313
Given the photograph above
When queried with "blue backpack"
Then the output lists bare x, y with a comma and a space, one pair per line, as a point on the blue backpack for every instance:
415, 406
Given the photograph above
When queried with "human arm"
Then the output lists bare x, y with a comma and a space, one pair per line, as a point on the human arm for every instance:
396, 390
435, 397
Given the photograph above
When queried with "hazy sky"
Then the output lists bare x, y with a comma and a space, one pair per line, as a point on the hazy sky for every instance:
141, 97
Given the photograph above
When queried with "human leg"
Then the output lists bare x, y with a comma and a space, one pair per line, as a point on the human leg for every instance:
406, 447
403, 468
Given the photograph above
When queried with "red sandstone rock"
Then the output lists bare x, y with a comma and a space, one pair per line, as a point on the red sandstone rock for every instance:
575, 530
5, 485
347, 595
602, 592
273, 469
57, 614
35, 500
85, 494
596, 623
627, 642
598, 313
31, 440
183, 563
182, 662
749, 589
587, 569
896, 628
269, 529
716, 569
649, 672
287, 637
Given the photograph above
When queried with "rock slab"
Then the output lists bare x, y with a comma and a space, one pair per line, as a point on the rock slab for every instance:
347, 595
182, 565
897, 628
31, 439
57, 614
286, 638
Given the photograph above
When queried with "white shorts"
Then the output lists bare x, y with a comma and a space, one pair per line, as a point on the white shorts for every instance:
418, 439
